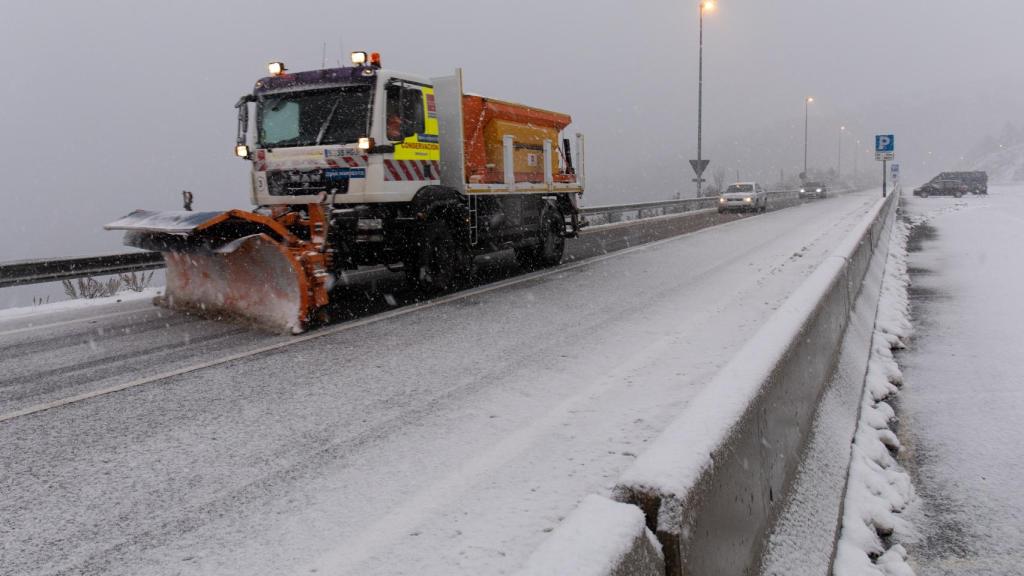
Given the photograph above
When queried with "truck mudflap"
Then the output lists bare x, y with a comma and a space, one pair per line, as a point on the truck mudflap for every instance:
234, 264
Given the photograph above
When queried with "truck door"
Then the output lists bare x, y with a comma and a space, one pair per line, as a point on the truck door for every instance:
411, 125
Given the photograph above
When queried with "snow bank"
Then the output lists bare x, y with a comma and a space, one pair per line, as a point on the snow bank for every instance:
877, 488
601, 537
78, 304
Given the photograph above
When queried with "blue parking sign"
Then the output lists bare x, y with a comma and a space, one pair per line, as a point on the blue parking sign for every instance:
885, 143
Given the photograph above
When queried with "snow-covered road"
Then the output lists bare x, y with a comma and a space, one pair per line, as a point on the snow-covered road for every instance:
444, 440
963, 396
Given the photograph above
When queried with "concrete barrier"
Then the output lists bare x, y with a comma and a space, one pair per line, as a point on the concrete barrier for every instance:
712, 485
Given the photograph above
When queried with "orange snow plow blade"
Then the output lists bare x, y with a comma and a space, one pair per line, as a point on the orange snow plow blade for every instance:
234, 264
253, 278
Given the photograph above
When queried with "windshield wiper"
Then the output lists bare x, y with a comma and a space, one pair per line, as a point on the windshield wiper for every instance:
330, 116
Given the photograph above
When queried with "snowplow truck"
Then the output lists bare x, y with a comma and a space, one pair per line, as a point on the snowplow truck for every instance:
360, 166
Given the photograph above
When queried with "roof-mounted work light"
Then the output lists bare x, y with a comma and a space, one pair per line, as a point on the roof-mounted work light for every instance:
359, 58
276, 68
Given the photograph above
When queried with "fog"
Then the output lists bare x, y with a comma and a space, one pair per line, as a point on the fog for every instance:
109, 106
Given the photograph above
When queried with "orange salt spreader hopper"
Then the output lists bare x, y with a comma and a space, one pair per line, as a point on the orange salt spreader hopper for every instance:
486, 121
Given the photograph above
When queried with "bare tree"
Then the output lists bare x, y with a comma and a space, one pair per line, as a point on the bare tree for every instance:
719, 180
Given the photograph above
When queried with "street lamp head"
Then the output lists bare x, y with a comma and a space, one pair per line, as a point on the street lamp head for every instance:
842, 128
810, 99
707, 5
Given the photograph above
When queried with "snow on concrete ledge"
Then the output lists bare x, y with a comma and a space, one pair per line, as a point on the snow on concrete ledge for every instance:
712, 414
600, 538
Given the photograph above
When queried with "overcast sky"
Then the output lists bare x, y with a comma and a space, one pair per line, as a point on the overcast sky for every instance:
107, 106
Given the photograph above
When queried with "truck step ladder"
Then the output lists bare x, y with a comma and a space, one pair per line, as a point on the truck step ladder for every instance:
474, 221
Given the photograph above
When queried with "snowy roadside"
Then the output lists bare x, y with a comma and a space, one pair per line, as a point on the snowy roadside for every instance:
78, 304
878, 489
961, 404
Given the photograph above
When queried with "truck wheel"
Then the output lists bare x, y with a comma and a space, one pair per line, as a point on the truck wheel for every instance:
432, 266
552, 245
957, 194
551, 248
924, 194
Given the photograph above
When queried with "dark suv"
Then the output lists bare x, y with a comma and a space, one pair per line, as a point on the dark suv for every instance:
954, 188
976, 181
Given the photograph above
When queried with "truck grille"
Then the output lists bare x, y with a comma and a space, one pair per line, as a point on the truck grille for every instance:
305, 183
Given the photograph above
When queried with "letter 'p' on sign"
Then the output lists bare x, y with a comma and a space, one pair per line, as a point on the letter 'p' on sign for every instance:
885, 147
885, 143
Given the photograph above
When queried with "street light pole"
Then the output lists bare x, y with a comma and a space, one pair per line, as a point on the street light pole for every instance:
807, 105
857, 153
839, 156
704, 4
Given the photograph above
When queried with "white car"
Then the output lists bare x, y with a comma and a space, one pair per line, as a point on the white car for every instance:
743, 197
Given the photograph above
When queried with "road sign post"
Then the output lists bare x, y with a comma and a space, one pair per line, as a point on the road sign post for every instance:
885, 150
698, 168
883, 178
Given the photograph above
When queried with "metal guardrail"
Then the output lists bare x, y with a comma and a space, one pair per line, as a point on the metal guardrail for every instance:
597, 215
57, 269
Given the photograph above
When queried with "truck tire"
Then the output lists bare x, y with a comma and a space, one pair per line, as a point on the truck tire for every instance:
923, 194
439, 263
552, 244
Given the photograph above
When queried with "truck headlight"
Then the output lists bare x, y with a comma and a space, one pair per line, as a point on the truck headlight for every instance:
748, 199
818, 190
365, 143
721, 200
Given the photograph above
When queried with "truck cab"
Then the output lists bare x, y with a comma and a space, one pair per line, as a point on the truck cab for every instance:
355, 134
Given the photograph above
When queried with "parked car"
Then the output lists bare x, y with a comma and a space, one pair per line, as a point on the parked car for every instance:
743, 197
813, 190
954, 188
976, 181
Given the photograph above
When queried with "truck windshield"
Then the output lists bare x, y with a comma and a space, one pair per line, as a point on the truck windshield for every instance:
307, 118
